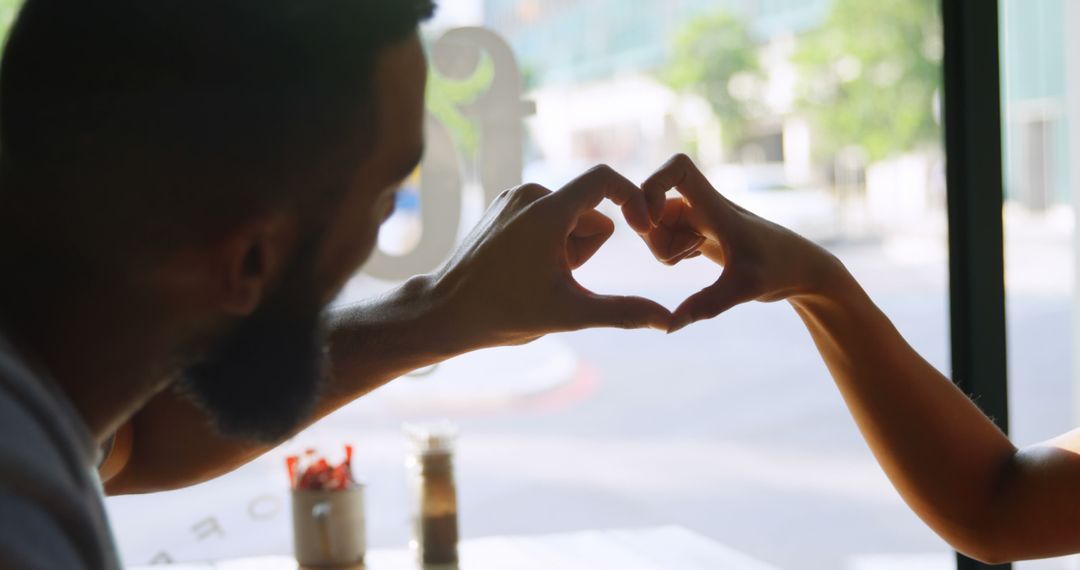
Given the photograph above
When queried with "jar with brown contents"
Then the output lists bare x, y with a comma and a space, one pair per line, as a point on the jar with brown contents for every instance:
435, 520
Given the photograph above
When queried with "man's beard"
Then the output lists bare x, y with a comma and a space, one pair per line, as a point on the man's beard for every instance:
266, 376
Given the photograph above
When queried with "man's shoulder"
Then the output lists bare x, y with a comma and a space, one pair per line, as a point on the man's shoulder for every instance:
32, 538
29, 446
33, 438
50, 512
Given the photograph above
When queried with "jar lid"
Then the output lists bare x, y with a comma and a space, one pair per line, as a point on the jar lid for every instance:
433, 437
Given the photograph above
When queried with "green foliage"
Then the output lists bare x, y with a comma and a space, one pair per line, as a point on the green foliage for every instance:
715, 57
8, 10
870, 75
446, 97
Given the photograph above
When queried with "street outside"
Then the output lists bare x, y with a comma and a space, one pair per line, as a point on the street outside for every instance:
731, 428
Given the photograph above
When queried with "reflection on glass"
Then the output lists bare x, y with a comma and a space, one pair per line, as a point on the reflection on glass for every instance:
401, 233
822, 115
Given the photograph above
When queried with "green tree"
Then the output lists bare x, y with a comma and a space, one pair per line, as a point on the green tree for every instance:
8, 9
869, 77
715, 57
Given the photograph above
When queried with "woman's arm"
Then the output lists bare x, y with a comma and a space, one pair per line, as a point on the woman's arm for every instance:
950, 463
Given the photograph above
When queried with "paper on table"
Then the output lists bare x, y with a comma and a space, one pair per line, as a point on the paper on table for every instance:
662, 548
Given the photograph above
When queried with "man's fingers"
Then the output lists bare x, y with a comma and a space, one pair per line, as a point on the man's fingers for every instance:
592, 223
683, 175
585, 193
523, 195
591, 232
622, 312
580, 250
710, 302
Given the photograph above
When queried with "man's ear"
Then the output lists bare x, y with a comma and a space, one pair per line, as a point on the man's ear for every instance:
251, 261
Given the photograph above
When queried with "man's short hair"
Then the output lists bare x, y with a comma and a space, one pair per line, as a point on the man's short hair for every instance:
138, 124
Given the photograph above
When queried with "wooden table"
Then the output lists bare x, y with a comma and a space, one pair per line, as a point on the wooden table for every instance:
662, 548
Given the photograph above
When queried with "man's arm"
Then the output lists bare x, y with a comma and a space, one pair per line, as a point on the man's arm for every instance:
509, 283
172, 444
950, 463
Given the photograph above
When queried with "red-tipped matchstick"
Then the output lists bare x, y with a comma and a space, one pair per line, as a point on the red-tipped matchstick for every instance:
291, 462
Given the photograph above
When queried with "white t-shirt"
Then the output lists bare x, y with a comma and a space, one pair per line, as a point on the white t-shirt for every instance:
51, 511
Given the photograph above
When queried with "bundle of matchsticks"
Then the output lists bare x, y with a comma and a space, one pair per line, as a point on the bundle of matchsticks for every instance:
312, 472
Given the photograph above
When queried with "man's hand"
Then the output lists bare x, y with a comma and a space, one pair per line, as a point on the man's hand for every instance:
511, 282
762, 261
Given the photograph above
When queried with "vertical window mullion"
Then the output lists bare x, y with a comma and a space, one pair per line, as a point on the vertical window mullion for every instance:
973, 146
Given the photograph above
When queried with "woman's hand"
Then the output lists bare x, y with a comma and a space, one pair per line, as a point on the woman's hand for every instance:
762, 261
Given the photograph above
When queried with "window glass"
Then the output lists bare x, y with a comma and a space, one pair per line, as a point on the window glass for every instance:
822, 115
1041, 114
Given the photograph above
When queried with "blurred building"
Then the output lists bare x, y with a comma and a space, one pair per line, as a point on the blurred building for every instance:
578, 41
1035, 99
592, 67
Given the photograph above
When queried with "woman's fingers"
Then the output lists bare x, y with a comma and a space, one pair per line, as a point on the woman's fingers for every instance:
679, 173
728, 291
674, 238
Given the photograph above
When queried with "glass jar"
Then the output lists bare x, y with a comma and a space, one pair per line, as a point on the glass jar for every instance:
431, 470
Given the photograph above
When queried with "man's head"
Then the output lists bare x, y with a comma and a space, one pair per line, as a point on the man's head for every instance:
241, 153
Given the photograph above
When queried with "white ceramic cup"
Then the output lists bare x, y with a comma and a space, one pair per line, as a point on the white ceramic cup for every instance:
328, 527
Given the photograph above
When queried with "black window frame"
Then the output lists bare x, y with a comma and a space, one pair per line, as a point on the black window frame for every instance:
974, 173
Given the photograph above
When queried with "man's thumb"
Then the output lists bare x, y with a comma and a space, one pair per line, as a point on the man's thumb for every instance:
623, 312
